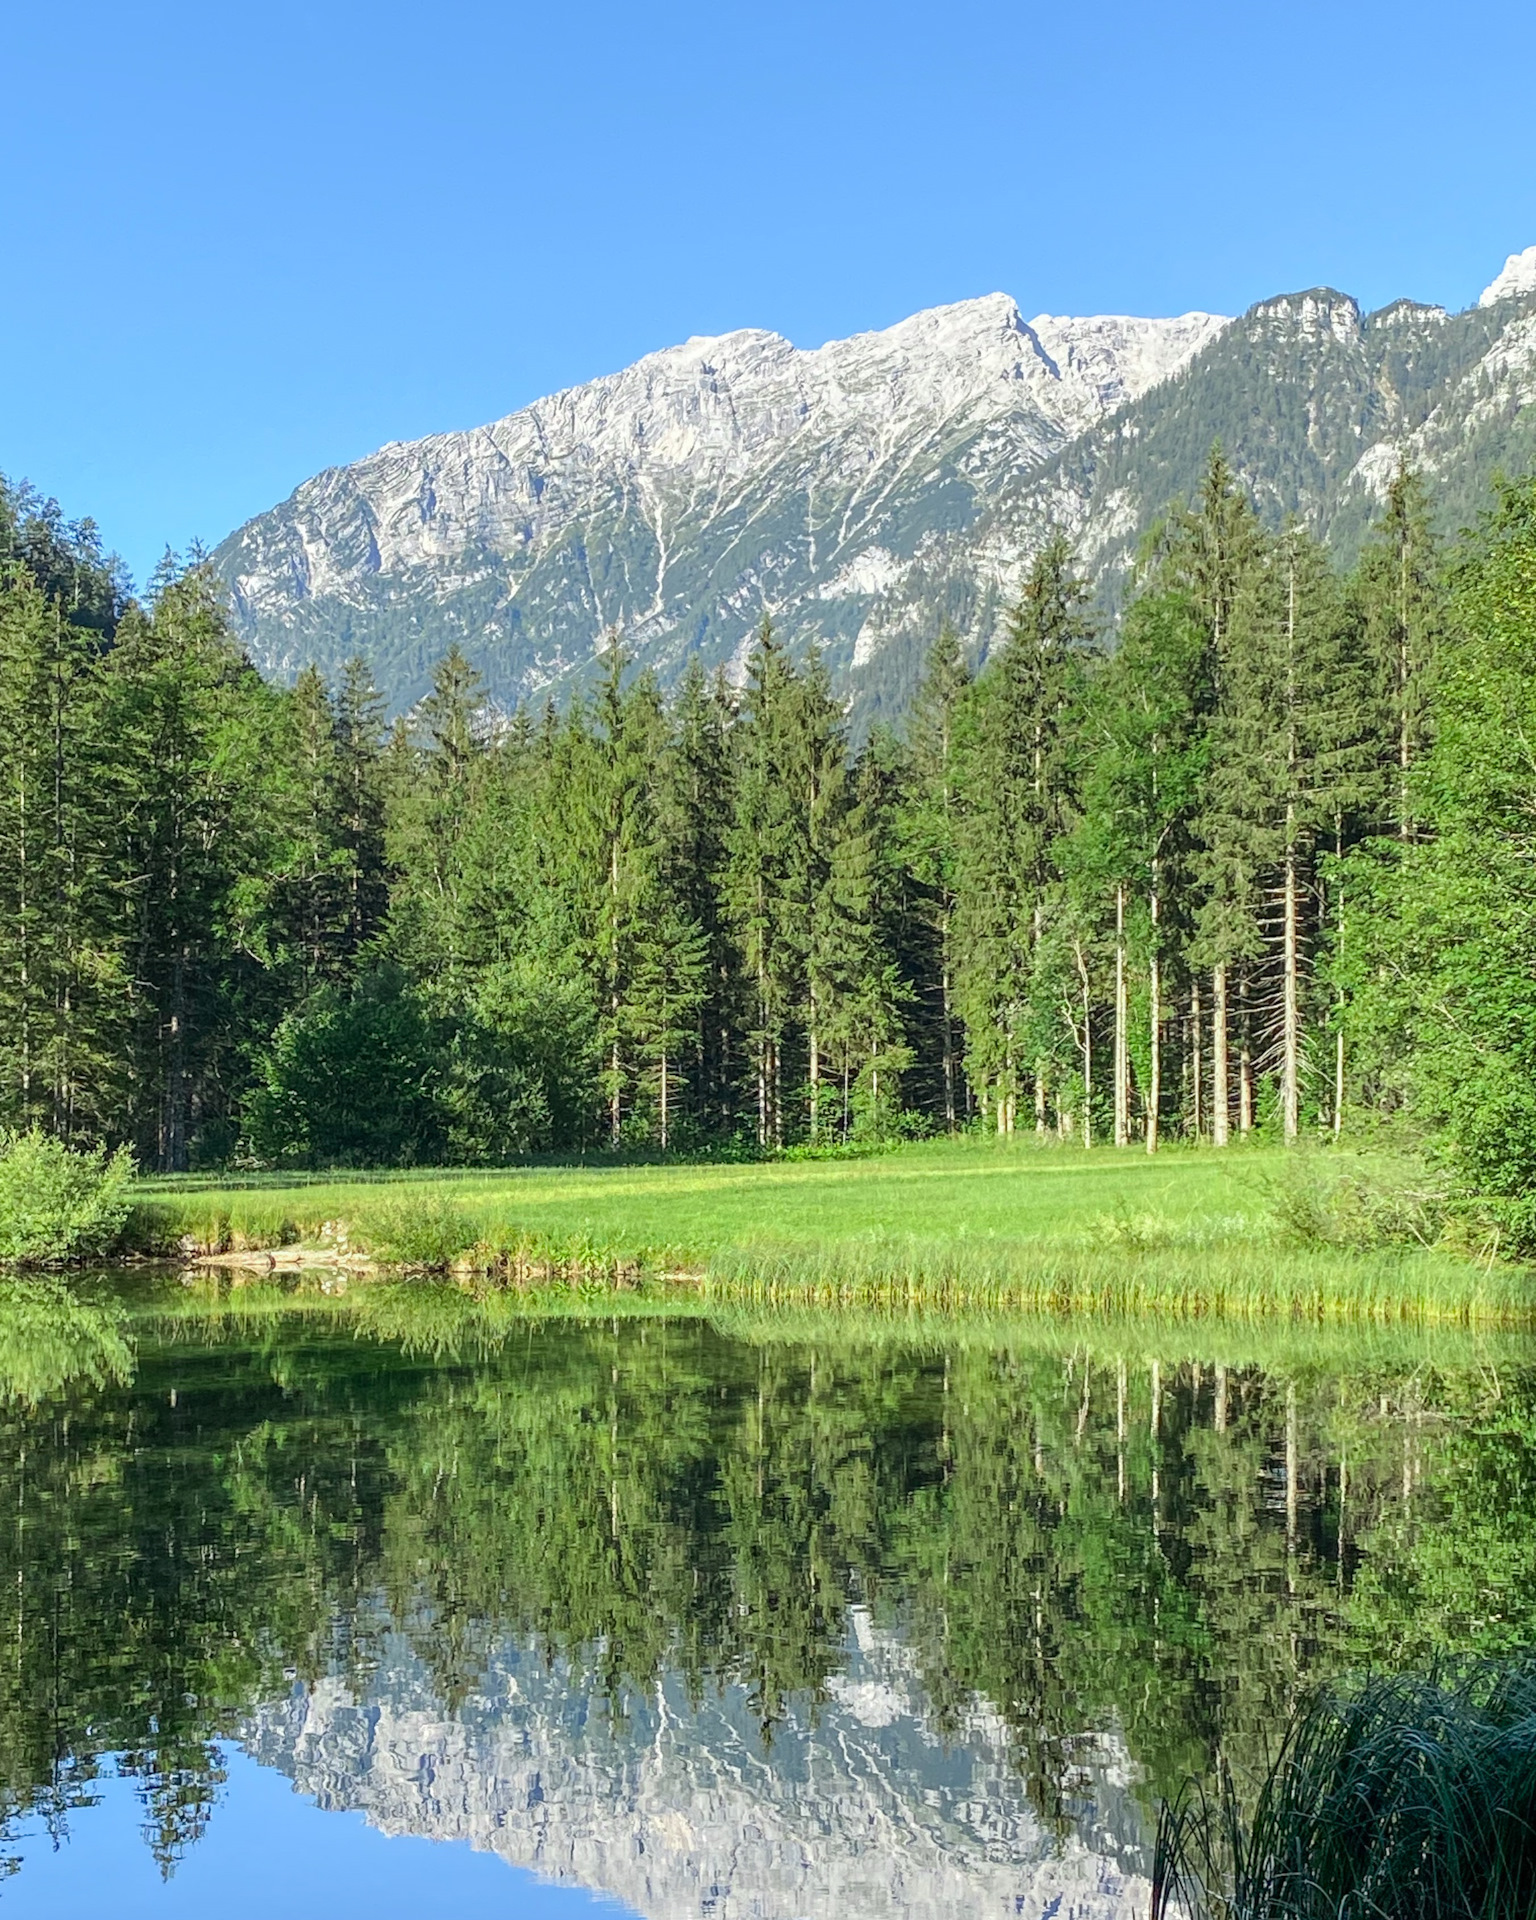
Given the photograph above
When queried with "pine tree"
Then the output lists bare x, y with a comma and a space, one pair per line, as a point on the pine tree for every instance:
930, 833
1148, 757
1399, 588
1019, 757
1213, 554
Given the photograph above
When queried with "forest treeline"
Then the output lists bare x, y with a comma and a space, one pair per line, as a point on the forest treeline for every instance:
1264, 863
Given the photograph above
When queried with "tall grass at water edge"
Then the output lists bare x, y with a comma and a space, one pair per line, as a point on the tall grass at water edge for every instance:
1410, 1797
967, 1224
1222, 1281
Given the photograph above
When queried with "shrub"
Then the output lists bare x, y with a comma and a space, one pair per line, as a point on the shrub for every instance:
59, 1204
348, 1080
1317, 1203
420, 1229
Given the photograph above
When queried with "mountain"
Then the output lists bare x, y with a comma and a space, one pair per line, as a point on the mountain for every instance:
864, 491
858, 1808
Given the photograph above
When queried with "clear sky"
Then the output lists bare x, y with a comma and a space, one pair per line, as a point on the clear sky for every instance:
270, 1854
242, 242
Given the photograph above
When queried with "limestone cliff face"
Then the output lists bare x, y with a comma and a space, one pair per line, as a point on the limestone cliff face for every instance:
855, 1808
684, 497
865, 491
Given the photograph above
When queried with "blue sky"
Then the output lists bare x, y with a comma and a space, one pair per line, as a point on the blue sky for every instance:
243, 242
271, 1854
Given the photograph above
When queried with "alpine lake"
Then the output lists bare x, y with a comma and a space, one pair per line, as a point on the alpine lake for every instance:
345, 1598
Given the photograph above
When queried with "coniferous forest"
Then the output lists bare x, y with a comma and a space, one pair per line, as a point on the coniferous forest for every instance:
1255, 858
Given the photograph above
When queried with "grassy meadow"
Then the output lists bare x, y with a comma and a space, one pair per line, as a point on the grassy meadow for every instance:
972, 1223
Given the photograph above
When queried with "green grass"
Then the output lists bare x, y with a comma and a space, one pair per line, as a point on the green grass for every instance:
1411, 1797
965, 1224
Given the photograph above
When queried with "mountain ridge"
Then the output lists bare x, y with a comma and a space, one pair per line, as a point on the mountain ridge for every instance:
863, 491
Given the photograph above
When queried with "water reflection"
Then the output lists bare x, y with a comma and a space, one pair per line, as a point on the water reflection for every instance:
729, 1615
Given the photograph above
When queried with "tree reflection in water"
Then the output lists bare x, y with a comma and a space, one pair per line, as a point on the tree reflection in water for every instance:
1102, 1554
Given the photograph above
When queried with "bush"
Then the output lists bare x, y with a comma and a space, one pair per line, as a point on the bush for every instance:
59, 1204
1318, 1203
384, 1077
348, 1081
419, 1229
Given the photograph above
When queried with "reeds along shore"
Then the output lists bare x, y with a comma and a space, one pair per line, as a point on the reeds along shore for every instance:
949, 1226
1412, 1796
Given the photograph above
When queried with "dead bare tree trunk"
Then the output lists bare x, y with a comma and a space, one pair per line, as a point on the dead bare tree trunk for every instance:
1290, 1069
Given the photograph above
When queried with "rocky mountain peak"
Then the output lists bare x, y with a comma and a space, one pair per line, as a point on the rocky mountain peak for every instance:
863, 491
1518, 277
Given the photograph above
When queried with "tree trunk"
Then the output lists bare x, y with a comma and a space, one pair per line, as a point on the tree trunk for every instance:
1290, 1076
1155, 1014
948, 1028
1338, 1084
1220, 1091
1197, 1090
1122, 1051
1082, 968
1155, 1035
1290, 1065
175, 1148
1244, 1060
1405, 713
1338, 1045
815, 1068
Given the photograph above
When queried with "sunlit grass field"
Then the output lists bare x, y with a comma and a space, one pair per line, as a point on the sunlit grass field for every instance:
951, 1223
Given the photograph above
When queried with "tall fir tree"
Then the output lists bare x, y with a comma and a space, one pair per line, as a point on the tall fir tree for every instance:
1020, 756
930, 835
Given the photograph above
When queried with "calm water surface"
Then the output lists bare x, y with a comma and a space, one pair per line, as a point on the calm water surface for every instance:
403, 1601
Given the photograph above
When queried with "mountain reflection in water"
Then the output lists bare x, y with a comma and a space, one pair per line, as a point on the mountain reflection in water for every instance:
723, 1615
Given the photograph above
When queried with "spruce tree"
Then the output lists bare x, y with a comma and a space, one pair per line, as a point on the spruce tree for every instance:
1148, 756
61, 977
930, 836
764, 874
361, 800
1398, 585
1213, 556
694, 802
1019, 754
191, 725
